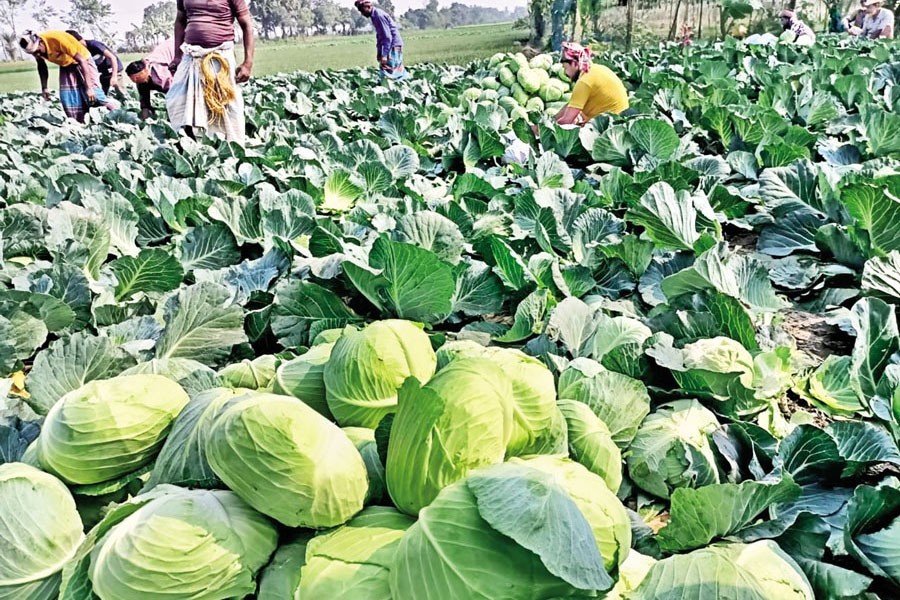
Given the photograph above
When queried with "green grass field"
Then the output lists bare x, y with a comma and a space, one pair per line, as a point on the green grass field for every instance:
454, 46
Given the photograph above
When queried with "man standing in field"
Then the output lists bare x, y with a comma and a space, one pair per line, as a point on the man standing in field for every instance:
597, 89
388, 41
108, 64
152, 74
204, 93
79, 80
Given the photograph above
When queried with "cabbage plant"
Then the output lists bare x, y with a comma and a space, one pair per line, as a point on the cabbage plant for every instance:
304, 378
672, 449
109, 428
179, 543
367, 367
40, 532
591, 443
288, 461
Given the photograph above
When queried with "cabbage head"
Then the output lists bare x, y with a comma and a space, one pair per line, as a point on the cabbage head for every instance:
183, 544
304, 378
672, 449
531, 80
479, 539
490, 83
288, 461
256, 374
517, 62
538, 425
542, 61
618, 400
604, 512
550, 92
534, 105
367, 368
488, 96
353, 562
460, 420
506, 76
631, 573
40, 532
508, 103
496, 59
364, 440
757, 571
519, 94
109, 428
591, 443
472, 93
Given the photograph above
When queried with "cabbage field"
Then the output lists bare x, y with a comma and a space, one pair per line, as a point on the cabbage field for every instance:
366, 357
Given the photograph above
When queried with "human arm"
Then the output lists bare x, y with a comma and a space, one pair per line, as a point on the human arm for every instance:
243, 71
44, 75
568, 115
146, 105
90, 87
180, 24
114, 61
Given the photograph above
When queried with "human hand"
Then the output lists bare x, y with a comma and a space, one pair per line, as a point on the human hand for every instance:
91, 95
242, 75
384, 61
174, 64
46, 94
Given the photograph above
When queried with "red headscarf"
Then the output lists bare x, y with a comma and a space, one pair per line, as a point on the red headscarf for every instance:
579, 54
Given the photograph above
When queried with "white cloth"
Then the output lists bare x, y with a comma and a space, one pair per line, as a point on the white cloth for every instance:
185, 102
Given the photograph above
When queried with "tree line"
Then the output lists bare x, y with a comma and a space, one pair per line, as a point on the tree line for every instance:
275, 19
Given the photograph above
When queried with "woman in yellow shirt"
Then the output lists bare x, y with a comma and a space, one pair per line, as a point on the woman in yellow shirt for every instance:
79, 80
597, 89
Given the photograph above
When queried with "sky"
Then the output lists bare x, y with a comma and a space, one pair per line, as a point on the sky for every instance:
129, 12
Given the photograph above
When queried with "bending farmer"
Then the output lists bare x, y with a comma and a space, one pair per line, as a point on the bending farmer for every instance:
388, 41
796, 31
597, 89
79, 81
108, 64
152, 74
204, 93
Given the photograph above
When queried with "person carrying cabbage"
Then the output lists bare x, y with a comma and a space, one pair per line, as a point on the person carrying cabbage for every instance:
796, 31
597, 89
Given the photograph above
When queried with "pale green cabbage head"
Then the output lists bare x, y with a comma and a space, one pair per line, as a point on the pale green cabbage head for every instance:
40, 530
367, 367
459, 421
109, 428
183, 544
672, 449
256, 374
304, 378
288, 461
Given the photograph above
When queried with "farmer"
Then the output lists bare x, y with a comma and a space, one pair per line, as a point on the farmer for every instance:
852, 21
152, 74
388, 41
108, 64
204, 92
79, 81
802, 33
597, 89
878, 22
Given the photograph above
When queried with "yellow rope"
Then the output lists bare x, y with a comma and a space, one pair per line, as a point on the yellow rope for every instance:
217, 89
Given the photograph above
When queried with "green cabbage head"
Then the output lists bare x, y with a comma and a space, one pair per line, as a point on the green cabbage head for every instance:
367, 368
288, 461
354, 561
109, 428
40, 532
538, 424
591, 443
304, 378
672, 449
459, 421
757, 571
183, 544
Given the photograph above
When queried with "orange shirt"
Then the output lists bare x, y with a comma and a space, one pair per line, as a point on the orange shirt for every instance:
62, 48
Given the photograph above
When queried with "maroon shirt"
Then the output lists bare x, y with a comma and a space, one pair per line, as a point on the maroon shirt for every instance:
211, 22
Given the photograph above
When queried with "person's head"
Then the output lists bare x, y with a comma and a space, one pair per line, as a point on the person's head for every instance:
77, 36
787, 18
138, 72
31, 43
872, 6
364, 7
575, 59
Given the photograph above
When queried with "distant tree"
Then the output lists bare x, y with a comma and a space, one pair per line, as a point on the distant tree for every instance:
90, 16
387, 6
158, 19
327, 15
